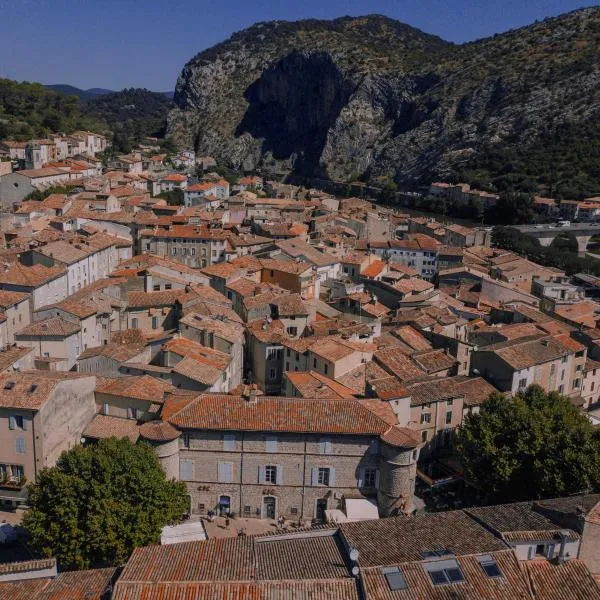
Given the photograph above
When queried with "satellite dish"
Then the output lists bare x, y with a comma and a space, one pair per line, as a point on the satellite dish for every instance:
354, 555
355, 571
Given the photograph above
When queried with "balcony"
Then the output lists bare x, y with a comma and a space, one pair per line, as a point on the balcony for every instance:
12, 483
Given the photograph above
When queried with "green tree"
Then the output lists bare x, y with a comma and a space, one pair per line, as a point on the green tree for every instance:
175, 197
100, 502
513, 208
531, 445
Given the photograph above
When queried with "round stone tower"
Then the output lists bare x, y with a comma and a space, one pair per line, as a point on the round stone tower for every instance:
398, 455
164, 438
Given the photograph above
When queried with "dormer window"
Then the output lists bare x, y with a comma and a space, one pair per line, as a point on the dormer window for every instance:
9, 385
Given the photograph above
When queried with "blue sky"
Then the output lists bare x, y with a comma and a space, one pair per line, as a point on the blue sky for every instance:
144, 43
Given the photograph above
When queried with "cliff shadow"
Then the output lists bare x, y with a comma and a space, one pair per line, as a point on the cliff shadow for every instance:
293, 105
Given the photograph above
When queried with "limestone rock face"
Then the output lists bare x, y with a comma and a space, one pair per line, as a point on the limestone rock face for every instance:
373, 98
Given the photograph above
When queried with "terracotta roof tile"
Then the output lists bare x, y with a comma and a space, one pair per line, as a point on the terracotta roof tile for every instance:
52, 327
568, 581
158, 431
404, 539
143, 387
106, 426
278, 414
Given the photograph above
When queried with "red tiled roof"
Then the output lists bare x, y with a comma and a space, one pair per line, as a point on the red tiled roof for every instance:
105, 426
158, 431
278, 414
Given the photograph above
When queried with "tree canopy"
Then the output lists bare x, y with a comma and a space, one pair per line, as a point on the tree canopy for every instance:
29, 110
531, 445
100, 502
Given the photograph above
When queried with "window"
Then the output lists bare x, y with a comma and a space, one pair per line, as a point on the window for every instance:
225, 472
186, 440
154, 322
449, 402
445, 571
174, 251
323, 476
425, 418
325, 446
270, 474
156, 288
274, 353
288, 353
489, 566
423, 436
370, 477
273, 374
314, 363
294, 510
523, 383
394, 578
106, 408
271, 443
552, 369
449, 417
186, 470
325, 368
292, 331
247, 510
228, 441
17, 422
134, 323
133, 413
576, 383
561, 389
20, 445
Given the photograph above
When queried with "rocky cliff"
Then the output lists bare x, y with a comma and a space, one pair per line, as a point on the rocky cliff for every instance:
375, 99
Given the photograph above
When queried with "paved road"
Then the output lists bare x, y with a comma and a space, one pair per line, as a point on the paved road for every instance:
573, 228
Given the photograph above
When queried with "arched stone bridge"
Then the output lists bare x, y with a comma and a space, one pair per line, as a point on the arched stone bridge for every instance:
582, 232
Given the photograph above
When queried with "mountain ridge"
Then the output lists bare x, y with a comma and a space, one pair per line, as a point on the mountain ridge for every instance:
382, 101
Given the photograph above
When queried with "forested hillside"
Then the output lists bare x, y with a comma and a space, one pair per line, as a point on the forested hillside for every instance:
131, 114
29, 110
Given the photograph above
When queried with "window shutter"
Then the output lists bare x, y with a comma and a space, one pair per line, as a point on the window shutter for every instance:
186, 470
229, 472
221, 472
279, 475
20, 445
229, 441
361, 478
332, 476
12, 422
271, 443
325, 445
261, 474
314, 476
24, 424
377, 479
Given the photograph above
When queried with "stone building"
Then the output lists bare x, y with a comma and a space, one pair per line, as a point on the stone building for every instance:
268, 456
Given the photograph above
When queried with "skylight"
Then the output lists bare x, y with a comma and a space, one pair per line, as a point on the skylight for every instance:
444, 572
489, 566
394, 578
